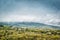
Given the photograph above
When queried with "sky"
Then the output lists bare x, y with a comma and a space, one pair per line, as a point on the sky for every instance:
42, 11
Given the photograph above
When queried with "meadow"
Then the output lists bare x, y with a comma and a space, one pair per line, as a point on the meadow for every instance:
20, 33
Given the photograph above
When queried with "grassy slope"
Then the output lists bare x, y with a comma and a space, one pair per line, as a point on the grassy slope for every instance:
10, 33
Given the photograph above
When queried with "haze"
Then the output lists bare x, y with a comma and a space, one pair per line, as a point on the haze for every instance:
42, 11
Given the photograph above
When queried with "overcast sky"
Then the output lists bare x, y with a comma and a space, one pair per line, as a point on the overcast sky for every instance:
43, 11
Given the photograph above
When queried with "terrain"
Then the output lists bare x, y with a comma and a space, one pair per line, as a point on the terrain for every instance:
28, 31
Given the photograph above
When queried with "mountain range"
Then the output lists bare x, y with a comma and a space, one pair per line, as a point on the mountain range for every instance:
30, 24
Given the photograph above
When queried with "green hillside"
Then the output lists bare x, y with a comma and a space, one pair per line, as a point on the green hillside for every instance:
14, 33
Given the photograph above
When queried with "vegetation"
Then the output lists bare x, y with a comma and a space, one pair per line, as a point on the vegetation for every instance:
15, 33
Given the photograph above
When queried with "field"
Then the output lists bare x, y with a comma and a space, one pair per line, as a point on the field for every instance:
15, 33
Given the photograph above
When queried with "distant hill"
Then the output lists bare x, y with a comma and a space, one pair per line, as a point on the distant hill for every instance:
29, 24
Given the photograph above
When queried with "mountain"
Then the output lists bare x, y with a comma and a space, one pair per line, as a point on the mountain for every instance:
30, 24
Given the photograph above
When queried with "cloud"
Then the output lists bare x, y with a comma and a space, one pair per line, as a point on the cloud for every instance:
43, 11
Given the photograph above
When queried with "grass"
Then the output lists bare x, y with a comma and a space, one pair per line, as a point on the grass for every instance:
14, 33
